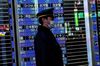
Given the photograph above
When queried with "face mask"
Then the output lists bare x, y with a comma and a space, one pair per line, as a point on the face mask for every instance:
51, 25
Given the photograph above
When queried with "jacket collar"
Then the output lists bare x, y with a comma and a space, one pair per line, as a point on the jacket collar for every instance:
43, 28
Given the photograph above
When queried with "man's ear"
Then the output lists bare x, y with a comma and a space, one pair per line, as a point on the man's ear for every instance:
43, 19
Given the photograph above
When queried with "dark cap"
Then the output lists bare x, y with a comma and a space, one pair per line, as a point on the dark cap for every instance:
46, 12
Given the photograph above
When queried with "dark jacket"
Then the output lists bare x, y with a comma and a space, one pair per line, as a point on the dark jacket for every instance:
47, 50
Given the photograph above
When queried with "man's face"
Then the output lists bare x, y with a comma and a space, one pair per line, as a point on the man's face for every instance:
47, 21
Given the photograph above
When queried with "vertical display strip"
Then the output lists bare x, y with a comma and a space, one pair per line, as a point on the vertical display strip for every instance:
5, 36
27, 23
77, 54
76, 17
88, 33
94, 33
97, 44
11, 20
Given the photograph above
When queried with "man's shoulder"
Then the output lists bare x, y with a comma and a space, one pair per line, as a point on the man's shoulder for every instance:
40, 34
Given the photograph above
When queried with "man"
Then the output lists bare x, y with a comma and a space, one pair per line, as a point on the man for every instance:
47, 50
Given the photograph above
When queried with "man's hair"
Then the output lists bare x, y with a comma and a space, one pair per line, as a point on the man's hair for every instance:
40, 19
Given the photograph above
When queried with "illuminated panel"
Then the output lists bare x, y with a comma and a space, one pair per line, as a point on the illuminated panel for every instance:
75, 33
5, 37
97, 44
28, 23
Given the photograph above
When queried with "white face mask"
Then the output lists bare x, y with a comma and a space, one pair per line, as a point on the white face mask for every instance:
51, 25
